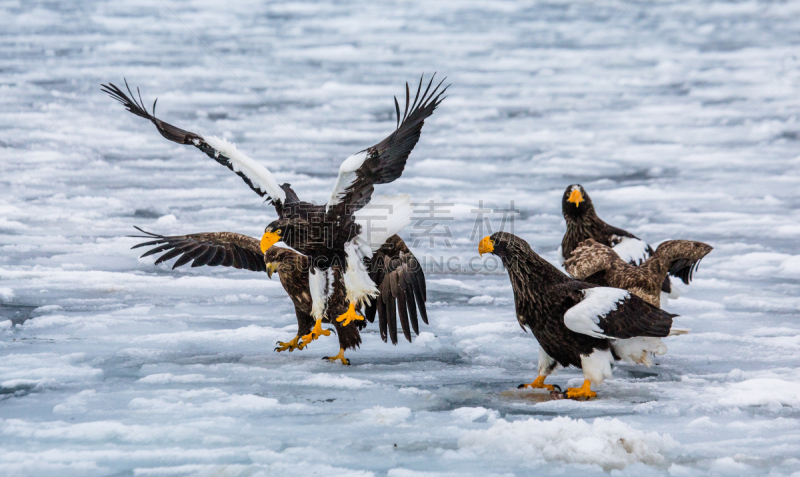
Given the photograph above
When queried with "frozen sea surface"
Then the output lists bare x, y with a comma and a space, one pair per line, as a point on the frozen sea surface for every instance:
680, 118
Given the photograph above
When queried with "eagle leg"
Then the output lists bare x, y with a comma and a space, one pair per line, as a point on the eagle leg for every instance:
584, 391
339, 357
289, 345
537, 383
316, 332
349, 315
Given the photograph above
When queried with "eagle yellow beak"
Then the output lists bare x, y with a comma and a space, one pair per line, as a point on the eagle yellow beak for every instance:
268, 240
486, 245
576, 197
272, 267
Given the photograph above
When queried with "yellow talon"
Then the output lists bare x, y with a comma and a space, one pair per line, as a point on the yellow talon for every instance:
537, 383
316, 332
339, 357
289, 345
349, 315
584, 391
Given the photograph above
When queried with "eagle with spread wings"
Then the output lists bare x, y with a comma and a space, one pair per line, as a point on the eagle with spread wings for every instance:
583, 224
679, 257
350, 243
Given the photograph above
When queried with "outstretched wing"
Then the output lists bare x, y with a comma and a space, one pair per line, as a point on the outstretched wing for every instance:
634, 251
589, 258
681, 257
402, 291
217, 248
385, 161
604, 312
256, 176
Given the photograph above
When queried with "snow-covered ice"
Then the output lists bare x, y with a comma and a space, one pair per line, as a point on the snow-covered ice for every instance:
679, 118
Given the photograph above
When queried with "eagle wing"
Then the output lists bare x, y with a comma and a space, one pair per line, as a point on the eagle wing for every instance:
256, 176
385, 161
402, 290
634, 250
216, 248
604, 312
631, 249
680, 258
589, 258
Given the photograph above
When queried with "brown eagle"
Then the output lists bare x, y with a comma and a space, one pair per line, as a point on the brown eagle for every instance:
577, 323
679, 257
583, 224
393, 263
350, 231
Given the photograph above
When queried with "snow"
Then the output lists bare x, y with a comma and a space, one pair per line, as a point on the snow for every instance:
607, 443
679, 118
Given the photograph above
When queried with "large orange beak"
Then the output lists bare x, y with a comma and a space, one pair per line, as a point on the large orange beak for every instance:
268, 240
486, 245
576, 197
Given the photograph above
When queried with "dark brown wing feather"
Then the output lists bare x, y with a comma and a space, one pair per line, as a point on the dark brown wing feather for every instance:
632, 316
218, 248
681, 257
401, 287
180, 136
387, 159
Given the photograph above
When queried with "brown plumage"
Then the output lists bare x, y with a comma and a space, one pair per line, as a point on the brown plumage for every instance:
230, 249
583, 224
292, 269
401, 289
394, 266
577, 323
680, 257
320, 231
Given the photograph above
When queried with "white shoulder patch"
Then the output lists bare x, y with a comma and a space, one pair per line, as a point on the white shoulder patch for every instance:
347, 174
632, 250
597, 302
258, 175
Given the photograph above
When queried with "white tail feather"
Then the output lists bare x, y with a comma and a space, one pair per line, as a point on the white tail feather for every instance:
638, 349
679, 331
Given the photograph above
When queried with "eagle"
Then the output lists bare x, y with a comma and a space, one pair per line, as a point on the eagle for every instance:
583, 223
679, 257
578, 323
244, 252
346, 235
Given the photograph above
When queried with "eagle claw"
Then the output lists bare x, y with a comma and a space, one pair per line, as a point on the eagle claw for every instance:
350, 315
316, 332
339, 357
538, 383
289, 345
584, 391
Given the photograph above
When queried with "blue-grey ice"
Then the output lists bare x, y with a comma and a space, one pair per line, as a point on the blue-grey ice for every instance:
679, 117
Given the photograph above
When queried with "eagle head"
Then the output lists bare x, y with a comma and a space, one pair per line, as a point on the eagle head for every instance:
576, 201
